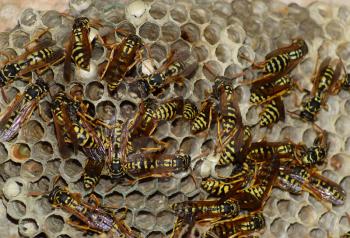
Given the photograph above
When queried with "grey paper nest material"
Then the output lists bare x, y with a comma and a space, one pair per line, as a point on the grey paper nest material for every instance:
214, 32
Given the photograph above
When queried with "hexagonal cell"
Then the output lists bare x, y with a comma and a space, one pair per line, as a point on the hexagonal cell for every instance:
94, 91
201, 52
10, 169
20, 152
170, 32
31, 170
54, 223
271, 27
147, 186
72, 168
28, 227
179, 13
328, 220
145, 220
297, 230
236, 33
156, 202
158, 10
16, 209
335, 29
12, 188
223, 53
190, 32
165, 220
42, 185
32, 131
180, 46
114, 199
52, 167
340, 125
28, 18
167, 186
19, 39
286, 207
149, 31
3, 153
318, 233
199, 15
134, 200
51, 19
211, 69
106, 110
187, 185
308, 215
212, 33
278, 226
11, 93
43, 206
43, 150
173, 145
188, 145
127, 109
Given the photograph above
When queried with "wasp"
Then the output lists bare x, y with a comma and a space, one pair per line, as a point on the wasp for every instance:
94, 218
240, 180
92, 172
21, 109
273, 112
191, 211
144, 121
236, 146
240, 226
317, 185
204, 118
73, 126
190, 110
324, 84
122, 59
228, 106
169, 109
346, 235
283, 60
79, 48
144, 165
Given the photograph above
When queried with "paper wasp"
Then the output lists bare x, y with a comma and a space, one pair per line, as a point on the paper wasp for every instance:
21, 109
144, 121
190, 110
273, 111
204, 118
317, 185
73, 126
324, 84
79, 48
122, 59
169, 109
240, 226
91, 216
283, 60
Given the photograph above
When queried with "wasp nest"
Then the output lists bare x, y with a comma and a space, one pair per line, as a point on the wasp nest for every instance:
214, 32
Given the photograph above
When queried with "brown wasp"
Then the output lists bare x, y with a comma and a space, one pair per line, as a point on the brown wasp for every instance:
21, 109
91, 216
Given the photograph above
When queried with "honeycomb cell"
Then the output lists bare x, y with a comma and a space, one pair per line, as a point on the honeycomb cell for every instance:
335, 29
286, 207
310, 29
345, 183
179, 127
158, 10
307, 215
165, 220
156, 202
211, 69
52, 167
127, 109
180, 46
278, 226
43, 206
51, 19
3, 153
114, 199
54, 223
182, 89
43, 184
155, 234
32, 131
98, 52
19, 39
127, 27
167, 186
344, 13
253, 27
10, 169
201, 52
106, 110
12, 188
187, 185
31, 170
72, 168
20, 152
248, 52
170, 32
190, 32
158, 53
188, 145
236, 33
145, 220
11, 93
172, 145
201, 89
296, 230
271, 27
28, 227
149, 31
147, 186
212, 33
328, 220
223, 53
28, 18
318, 233
134, 200
179, 13
43, 150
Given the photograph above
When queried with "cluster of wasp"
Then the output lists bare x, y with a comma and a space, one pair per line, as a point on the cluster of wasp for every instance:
109, 145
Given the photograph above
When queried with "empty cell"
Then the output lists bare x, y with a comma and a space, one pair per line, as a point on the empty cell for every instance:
223, 53
16, 209
158, 10
187, 185
201, 52
32, 131
19, 39
156, 202
31, 170
43, 206
106, 110
318, 233
134, 200
127, 109
158, 53
165, 220
179, 13
20, 152
307, 215
28, 17
278, 226
43, 150
147, 186
149, 31
212, 33
72, 168
54, 223
190, 32
51, 19
297, 230
199, 15
145, 220
188, 145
